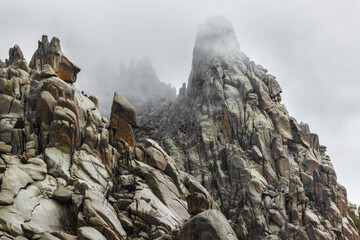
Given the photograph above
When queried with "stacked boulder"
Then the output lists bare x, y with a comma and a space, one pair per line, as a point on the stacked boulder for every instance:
122, 119
49, 59
67, 173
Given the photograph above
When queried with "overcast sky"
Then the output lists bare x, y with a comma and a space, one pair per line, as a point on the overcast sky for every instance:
312, 47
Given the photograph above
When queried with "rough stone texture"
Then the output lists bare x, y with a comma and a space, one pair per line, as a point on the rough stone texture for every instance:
57, 162
125, 133
66, 173
122, 109
123, 117
34, 167
267, 172
14, 179
51, 54
156, 158
4, 148
89, 233
234, 152
62, 194
210, 224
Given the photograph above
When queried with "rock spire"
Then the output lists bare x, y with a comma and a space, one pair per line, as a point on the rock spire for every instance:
230, 131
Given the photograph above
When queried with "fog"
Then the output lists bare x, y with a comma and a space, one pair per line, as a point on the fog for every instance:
311, 47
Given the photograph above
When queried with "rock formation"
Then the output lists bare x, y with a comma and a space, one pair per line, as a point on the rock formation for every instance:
228, 129
49, 59
67, 173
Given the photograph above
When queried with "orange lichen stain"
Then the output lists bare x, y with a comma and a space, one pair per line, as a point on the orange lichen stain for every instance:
65, 73
125, 132
226, 124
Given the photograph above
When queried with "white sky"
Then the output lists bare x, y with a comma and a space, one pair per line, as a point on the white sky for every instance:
312, 47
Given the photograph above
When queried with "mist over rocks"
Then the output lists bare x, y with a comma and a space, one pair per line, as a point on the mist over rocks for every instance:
49, 59
139, 84
66, 172
222, 160
268, 173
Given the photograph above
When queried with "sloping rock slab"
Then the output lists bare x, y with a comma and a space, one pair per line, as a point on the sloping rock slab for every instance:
208, 225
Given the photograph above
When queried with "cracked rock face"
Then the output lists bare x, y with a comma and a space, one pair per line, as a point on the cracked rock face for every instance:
67, 173
49, 60
228, 129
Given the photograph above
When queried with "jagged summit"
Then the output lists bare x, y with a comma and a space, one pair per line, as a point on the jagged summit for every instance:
50, 55
266, 171
142, 70
216, 36
66, 172
216, 43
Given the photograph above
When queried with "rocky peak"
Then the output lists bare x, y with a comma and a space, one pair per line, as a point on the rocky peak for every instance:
16, 60
216, 37
142, 70
51, 54
267, 172
215, 42
15, 54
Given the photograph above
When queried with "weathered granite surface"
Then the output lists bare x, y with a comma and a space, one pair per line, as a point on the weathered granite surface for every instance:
268, 173
66, 172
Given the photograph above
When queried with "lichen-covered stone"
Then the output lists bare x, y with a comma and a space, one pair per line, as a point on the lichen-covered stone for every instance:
51, 54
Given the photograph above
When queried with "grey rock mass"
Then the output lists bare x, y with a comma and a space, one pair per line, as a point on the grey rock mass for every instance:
267, 172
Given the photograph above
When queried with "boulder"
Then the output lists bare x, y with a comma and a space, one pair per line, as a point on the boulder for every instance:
6, 86
156, 158
45, 104
164, 188
62, 194
122, 109
197, 203
20, 211
89, 233
98, 210
47, 71
50, 215
7, 127
210, 224
197, 193
9, 104
14, 179
58, 162
150, 208
35, 167
122, 119
281, 122
48, 236
4, 148
88, 166
15, 54
273, 85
